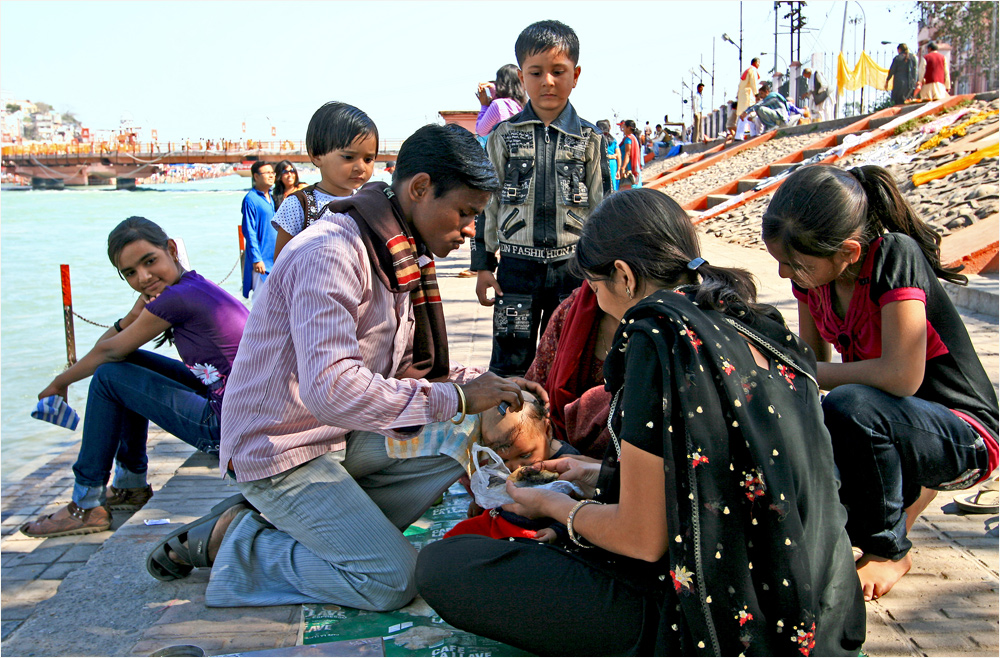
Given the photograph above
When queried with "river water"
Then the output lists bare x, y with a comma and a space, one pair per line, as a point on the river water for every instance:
39, 230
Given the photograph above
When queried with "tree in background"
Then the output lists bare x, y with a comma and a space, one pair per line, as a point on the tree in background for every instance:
971, 30
13, 107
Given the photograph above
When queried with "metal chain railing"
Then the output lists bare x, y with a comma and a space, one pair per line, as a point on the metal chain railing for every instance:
226, 278
96, 324
108, 326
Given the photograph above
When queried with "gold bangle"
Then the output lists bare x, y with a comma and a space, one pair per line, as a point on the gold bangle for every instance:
572, 515
461, 399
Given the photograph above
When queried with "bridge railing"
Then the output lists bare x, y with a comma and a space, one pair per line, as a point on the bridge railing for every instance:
245, 147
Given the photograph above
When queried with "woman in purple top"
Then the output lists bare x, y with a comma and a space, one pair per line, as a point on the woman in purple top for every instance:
508, 98
131, 387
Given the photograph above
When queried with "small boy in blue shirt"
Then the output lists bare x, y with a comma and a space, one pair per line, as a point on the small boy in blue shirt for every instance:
554, 167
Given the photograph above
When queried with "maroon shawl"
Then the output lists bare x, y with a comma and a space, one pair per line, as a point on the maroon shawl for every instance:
577, 418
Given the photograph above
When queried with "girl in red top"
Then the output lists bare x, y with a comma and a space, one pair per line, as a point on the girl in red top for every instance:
910, 408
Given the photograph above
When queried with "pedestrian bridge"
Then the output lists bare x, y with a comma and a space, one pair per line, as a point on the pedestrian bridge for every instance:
58, 165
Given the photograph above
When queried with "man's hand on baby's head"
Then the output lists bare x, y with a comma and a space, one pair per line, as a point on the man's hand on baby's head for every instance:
534, 388
489, 390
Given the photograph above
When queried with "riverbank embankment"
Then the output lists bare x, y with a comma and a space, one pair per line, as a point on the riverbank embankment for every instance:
104, 603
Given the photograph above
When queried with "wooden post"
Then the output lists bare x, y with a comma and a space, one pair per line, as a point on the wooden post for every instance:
67, 298
239, 230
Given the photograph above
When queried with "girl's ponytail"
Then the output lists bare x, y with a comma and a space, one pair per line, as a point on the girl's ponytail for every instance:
889, 211
729, 290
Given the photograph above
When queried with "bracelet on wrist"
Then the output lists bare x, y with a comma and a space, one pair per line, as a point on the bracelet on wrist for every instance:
576, 539
461, 404
118, 325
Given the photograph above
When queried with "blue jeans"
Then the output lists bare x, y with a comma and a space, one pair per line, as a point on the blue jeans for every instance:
886, 448
123, 398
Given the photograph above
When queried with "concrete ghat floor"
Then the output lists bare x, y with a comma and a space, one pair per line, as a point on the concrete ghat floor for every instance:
91, 595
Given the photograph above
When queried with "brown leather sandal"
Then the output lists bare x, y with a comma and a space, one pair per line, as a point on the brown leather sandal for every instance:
71, 520
128, 499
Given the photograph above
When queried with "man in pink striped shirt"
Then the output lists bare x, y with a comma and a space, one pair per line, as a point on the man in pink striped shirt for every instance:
345, 345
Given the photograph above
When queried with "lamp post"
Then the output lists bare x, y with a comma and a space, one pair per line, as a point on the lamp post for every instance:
864, 31
728, 39
684, 86
683, 100
711, 78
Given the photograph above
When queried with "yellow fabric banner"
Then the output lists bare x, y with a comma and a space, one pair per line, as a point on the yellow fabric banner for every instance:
991, 151
866, 73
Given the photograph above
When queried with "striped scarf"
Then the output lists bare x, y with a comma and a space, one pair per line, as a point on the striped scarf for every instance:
402, 265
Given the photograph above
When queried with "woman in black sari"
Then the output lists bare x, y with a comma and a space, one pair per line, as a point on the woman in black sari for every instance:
713, 525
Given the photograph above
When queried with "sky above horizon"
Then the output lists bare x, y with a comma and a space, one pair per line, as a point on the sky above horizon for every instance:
195, 69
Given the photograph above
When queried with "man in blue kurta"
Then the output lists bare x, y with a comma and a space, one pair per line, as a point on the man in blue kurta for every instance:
258, 209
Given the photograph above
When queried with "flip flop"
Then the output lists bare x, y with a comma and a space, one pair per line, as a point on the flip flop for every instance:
986, 500
190, 543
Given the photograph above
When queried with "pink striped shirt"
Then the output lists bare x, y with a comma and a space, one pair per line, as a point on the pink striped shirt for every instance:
318, 358
490, 115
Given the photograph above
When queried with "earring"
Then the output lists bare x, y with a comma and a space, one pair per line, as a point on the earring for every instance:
628, 291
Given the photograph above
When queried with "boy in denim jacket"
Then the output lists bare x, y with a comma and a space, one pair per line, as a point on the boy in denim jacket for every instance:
554, 168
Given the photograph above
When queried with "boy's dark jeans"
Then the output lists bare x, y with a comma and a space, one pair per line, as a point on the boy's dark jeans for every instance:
547, 285
886, 448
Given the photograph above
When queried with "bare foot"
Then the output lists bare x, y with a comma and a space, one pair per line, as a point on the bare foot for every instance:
879, 574
218, 533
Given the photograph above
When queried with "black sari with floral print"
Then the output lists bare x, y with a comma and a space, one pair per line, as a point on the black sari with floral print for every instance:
759, 558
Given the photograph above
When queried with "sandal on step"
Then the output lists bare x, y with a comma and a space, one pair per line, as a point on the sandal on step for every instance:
71, 520
985, 500
190, 543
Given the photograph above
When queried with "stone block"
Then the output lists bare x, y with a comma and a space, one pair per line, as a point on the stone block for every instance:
29, 592
81, 553
716, 199
946, 644
8, 627
19, 543
25, 572
76, 540
61, 569
44, 555
808, 153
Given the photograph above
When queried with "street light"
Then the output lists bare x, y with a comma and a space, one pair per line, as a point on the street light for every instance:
683, 100
783, 60
726, 37
864, 31
711, 77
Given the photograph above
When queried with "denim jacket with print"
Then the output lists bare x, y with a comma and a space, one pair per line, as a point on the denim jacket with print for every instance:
553, 177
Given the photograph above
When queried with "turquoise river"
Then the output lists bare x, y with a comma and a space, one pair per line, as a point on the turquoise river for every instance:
39, 230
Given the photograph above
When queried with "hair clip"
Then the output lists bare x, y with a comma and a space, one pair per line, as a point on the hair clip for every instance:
696, 263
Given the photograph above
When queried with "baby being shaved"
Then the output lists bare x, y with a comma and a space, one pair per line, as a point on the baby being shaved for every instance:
524, 437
